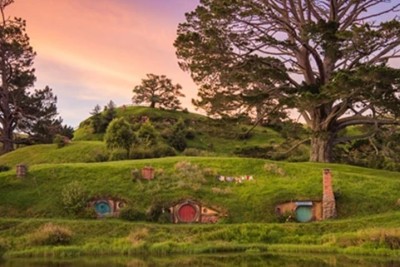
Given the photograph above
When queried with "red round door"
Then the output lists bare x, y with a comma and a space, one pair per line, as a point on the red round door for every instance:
187, 213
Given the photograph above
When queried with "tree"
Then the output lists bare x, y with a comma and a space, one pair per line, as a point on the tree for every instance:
177, 139
119, 134
21, 109
147, 135
328, 59
159, 92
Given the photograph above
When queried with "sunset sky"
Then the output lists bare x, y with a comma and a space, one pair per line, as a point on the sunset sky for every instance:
90, 52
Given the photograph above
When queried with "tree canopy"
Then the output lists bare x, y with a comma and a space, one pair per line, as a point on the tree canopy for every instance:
329, 59
158, 91
119, 134
31, 113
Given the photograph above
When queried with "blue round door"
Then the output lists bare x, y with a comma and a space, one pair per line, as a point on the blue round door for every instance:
304, 213
102, 208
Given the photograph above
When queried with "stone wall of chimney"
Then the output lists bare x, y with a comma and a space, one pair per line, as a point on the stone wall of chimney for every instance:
328, 198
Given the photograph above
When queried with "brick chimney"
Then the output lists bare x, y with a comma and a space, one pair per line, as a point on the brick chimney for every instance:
328, 198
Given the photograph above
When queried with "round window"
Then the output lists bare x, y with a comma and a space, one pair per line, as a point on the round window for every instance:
103, 208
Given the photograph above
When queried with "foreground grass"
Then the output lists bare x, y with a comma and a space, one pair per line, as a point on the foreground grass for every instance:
373, 235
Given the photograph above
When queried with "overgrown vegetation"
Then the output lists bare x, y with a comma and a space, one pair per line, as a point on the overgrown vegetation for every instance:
110, 237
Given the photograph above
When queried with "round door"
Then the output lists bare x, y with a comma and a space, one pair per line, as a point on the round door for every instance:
187, 213
304, 213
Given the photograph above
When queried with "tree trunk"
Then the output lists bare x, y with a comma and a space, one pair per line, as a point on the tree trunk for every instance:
7, 139
321, 148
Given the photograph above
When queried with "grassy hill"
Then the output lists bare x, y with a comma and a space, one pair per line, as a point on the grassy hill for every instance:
207, 137
368, 201
359, 191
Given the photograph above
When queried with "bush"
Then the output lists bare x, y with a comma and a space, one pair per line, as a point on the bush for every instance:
254, 151
118, 154
177, 139
158, 213
74, 197
156, 151
60, 141
4, 168
138, 236
50, 235
132, 214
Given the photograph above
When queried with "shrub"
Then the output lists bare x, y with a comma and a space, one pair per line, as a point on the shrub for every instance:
4, 168
254, 151
147, 134
156, 151
60, 141
132, 214
74, 197
138, 236
119, 134
177, 139
118, 154
51, 234
158, 213
274, 169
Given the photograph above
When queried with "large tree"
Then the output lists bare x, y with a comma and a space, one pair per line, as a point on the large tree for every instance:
158, 91
22, 110
329, 59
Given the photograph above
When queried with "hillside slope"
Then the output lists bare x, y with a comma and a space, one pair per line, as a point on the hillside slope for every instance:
207, 137
359, 191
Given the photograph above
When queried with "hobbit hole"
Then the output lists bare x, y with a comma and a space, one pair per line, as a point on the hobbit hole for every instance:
306, 211
189, 211
107, 207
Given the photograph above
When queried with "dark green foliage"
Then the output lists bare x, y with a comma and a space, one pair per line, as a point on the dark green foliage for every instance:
177, 139
4, 168
23, 110
147, 135
255, 152
159, 212
131, 213
158, 91
97, 120
379, 149
155, 151
260, 58
120, 135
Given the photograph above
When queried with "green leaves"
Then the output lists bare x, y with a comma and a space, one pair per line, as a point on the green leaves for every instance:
159, 91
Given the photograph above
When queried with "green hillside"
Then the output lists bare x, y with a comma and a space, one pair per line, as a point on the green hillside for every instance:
206, 137
359, 191
367, 204
36, 221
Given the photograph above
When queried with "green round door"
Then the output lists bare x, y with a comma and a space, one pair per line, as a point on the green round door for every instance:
304, 213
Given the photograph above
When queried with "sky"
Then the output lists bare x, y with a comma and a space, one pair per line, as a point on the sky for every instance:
93, 51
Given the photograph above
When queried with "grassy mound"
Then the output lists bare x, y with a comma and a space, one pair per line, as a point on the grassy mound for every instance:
208, 137
77, 151
359, 191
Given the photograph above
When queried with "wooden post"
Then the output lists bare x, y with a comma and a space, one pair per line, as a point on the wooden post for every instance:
22, 169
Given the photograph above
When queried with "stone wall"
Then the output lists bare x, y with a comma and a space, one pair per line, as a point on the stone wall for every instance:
328, 198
